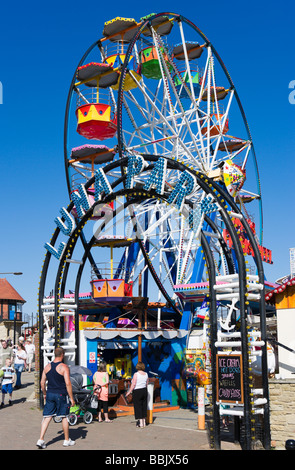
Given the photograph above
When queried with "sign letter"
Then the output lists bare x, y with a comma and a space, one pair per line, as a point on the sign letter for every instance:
66, 229
135, 166
101, 184
55, 252
157, 177
80, 199
183, 188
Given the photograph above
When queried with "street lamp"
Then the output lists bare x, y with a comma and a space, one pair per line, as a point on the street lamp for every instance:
16, 274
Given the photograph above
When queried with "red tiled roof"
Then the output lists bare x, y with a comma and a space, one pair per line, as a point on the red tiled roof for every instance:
8, 292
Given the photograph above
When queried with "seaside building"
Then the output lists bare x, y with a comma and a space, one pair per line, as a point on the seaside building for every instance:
11, 304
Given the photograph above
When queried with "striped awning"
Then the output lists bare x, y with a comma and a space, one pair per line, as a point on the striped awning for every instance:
108, 334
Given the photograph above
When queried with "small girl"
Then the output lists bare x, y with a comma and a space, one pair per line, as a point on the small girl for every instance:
101, 378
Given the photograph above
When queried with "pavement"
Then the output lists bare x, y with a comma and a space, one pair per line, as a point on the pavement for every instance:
174, 432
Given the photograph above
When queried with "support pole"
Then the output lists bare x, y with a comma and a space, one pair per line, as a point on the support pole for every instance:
112, 262
201, 408
139, 304
150, 402
215, 423
140, 335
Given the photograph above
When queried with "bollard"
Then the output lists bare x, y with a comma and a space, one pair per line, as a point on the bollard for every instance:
150, 403
201, 408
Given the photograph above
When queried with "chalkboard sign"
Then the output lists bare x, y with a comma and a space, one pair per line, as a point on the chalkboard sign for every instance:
229, 378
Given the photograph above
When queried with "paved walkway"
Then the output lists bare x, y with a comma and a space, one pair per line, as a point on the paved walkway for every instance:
171, 431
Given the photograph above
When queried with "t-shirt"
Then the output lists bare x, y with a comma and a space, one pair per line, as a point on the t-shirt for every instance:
141, 380
30, 348
20, 356
8, 375
102, 379
5, 353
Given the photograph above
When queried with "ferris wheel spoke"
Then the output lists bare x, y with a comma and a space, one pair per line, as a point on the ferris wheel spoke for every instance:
171, 125
248, 147
183, 114
187, 65
220, 134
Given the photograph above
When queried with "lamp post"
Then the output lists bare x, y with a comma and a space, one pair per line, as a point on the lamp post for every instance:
14, 328
15, 274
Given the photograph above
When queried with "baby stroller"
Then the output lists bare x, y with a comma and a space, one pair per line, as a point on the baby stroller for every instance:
85, 401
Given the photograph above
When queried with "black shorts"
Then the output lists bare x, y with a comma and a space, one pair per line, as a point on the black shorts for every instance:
102, 405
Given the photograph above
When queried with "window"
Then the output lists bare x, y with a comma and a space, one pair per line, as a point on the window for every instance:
19, 307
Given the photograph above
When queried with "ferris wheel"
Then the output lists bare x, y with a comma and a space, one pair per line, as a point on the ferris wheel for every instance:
155, 92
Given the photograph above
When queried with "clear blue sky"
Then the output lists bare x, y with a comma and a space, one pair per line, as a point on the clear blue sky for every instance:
41, 45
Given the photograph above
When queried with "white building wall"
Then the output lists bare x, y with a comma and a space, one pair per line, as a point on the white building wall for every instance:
83, 349
286, 336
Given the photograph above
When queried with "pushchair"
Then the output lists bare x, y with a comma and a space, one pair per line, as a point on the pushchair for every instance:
85, 402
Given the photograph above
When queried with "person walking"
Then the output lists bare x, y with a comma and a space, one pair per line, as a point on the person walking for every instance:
58, 396
101, 389
7, 383
20, 357
5, 352
30, 350
139, 394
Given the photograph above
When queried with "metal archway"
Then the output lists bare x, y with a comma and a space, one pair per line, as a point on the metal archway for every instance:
225, 203
227, 210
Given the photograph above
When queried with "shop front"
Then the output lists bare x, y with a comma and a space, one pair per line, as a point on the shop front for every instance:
162, 352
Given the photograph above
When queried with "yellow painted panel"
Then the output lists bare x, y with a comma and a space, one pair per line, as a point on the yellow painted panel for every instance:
286, 299
94, 112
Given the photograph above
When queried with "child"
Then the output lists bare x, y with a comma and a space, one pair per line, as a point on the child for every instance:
101, 378
8, 380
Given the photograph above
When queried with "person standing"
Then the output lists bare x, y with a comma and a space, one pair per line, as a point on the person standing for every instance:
101, 379
139, 394
58, 396
19, 363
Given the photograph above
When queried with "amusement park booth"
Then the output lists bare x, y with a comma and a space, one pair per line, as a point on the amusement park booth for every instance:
121, 334
121, 348
283, 298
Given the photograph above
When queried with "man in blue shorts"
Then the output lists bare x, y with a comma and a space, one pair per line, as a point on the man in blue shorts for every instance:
58, 396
